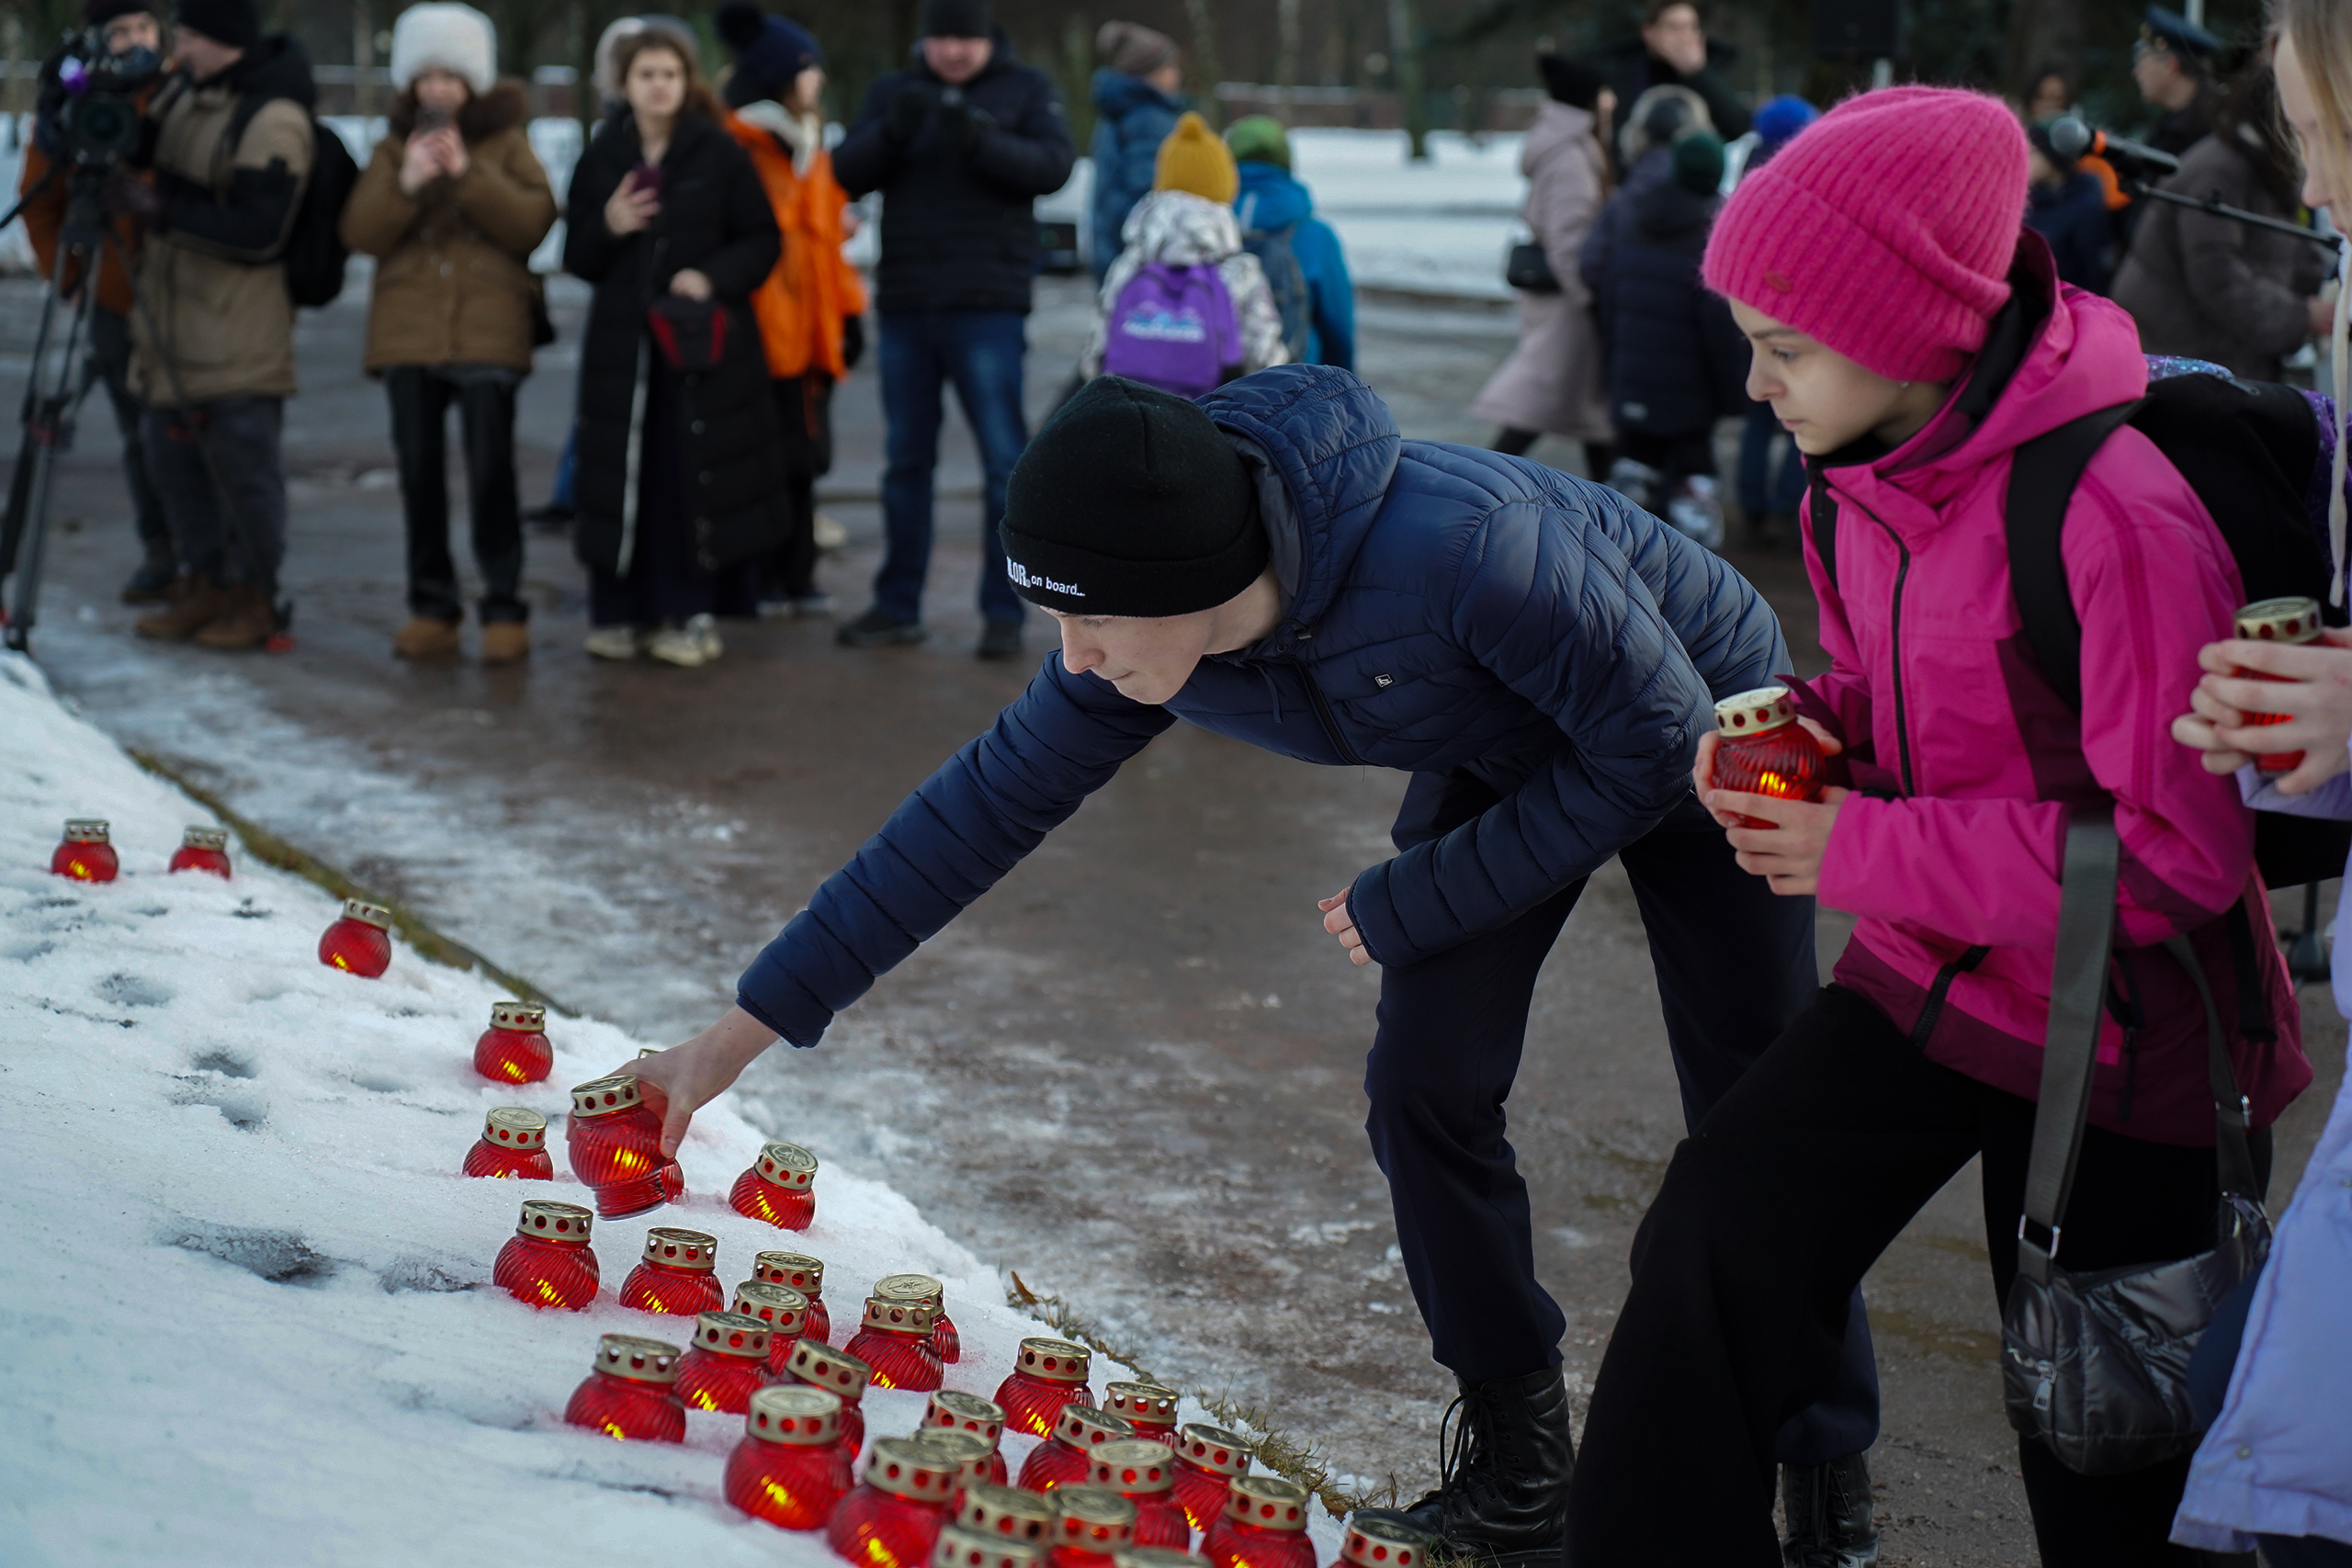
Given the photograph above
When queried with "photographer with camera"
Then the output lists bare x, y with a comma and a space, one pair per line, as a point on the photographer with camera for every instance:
213, 341
124, 29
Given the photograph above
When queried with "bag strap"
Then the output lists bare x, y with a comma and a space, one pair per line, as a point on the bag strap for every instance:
2231, 1152
2043, 473
2070, 1049
1823, 515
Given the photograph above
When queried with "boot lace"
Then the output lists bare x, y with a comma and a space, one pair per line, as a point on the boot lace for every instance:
1463, 1447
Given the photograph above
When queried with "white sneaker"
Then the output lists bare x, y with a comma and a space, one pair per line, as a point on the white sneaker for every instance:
689, 646
614, 642
706, 632
832, 535
1637, 482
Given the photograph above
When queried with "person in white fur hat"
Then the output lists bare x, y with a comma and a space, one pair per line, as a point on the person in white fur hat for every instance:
452, 203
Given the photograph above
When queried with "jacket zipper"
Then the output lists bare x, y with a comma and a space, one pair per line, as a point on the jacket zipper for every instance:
1323, 711
1894, 634
1933, 1009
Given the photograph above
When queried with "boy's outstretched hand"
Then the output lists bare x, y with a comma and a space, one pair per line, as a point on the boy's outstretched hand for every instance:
1341, 924
685, 1077
1787, 855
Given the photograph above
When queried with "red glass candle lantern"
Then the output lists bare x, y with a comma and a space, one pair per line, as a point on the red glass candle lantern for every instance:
1004, 1513
547, 1262
630, 1394
86, 852
895, 1340
802, 1274
1046, 1375
515, 1048
1144, 1473
960, 1549
2276, 620
969, 1451
894, 1519
724, 1364
514, 1143
203, 849
360, 943
951, 1411
1263, 1526
781, 1310
1380, 1540
677, 1275
1207, 1460
1065, 1456
932, 1293
615, 1141
1765, 751
839, 1373
1090, 1523
791, 1467
780, 1187
1148, 1407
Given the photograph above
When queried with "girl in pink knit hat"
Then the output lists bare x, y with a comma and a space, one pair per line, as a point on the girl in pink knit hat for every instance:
1911, 335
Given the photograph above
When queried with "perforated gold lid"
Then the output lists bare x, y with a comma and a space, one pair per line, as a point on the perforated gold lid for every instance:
1084, 1427
912, 1318
1056, 1360
676, 1248
2279, 620
1752, 712
970, 1451
795, 1414
551, 1220
780, 1308
513, 1127
360, 909
1379, 1541
961, 1549
1105, 1508
1214, 1449
526, 1018
910, 1288
1267, 1501
788, 1165
1143, 1403
87, 831
205, 839
603, 1097
912, 1467
798, 1270
1133, 1465
637, 1359
827, 1368
731, 1334
1005, 1511
955, 1411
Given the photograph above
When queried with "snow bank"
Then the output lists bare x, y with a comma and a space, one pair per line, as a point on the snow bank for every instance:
245, 1293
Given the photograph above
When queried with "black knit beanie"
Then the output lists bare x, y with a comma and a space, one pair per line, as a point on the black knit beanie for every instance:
956, 19
1131, 502
1570, 82
235, 23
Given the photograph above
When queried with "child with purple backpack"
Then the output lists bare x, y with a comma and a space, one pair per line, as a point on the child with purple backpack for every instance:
1185, 308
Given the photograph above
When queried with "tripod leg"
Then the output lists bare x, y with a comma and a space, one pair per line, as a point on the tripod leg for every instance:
48, 429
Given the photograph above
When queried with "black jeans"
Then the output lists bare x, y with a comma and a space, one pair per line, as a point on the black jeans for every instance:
110, 355
420, 396
236, 438
1744, 1269
804, 406
1452, 1031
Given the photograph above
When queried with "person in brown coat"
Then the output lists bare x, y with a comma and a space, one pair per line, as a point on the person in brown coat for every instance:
451, 204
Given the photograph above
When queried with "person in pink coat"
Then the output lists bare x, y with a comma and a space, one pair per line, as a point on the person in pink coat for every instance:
1911, 335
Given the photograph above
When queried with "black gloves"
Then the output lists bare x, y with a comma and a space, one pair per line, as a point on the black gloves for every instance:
903, 120
852, 341
962, 122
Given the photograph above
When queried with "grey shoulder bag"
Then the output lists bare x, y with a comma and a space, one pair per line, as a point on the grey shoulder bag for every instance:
2096, 1364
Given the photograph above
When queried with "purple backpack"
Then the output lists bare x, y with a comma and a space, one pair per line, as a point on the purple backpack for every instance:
1174, 328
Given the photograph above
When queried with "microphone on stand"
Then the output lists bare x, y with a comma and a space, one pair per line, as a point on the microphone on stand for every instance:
2070, 137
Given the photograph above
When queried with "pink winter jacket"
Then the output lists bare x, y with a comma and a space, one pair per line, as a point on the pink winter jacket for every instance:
1971, 761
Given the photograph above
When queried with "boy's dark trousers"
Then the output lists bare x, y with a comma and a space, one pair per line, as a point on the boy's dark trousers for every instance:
1735, 966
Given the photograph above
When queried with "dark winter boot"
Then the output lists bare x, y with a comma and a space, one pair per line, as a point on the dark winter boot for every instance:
1829, 1510
1502, 1497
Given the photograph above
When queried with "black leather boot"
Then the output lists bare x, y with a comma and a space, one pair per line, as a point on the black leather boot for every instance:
1502, 1496
1829, 1510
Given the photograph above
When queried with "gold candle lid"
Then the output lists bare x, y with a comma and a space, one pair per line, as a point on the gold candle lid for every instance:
1133, 1465
955, 1411
1091, 1518
795, 1414
1055, 1361
788, 1165
603, 1097
205, 839
1752, 712
637, 1359
961, 1549
798, 1270
971, 1452
551, 1220
1143, 1403
1006, 1512
912, 1467
731, 1334
1267, 1501
2279, 620
836, 1371
1216, 1449
1083, 1426
523, 1016
1154, 1557
513, 1127
1377, 1540
780, 1308
676, 1248
360, 909
87, 831
898, 1317
910, 1288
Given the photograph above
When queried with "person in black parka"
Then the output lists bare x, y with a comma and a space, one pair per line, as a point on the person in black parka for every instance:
679, 469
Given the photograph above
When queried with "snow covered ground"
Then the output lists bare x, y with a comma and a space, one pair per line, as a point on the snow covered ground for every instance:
246, 1292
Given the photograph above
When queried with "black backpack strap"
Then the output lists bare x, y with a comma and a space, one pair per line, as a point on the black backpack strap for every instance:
2070, 1050
2042, 476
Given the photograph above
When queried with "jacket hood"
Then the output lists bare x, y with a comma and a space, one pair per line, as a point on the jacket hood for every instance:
1557, 124
1271, 197
1116, 94
1180, 229
1325, 448
1665, 212
273, 68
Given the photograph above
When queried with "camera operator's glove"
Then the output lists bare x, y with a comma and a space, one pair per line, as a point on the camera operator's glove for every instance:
903, 120
132, 196
962, 122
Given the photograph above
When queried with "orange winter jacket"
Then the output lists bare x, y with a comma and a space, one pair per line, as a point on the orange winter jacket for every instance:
801, 305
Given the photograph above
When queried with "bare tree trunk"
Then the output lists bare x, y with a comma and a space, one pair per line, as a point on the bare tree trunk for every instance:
1404, 66
363, 56
1286, 48
1205, 60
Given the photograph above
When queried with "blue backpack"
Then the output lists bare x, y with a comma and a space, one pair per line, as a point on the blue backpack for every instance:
1174, 328
1286, 279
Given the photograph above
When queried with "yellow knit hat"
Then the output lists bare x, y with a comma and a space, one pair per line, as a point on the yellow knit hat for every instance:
1195, 159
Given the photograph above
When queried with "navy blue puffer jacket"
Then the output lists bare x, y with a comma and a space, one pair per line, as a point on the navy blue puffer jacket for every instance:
1447, 611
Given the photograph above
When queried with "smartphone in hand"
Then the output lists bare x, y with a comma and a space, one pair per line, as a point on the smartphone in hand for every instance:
429, 120
646, 178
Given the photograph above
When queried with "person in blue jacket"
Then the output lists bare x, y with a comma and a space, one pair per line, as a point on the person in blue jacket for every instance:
1277, 564
1136, 105
1276, 212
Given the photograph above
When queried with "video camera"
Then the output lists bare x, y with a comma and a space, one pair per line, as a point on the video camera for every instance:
93, 109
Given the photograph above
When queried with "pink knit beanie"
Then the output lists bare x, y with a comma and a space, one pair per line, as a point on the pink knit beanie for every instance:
1884, 230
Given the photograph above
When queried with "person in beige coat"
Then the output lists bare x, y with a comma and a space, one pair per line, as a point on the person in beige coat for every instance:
1551, 384
452, 203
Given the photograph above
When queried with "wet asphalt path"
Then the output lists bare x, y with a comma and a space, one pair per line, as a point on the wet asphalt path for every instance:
1131, 1072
